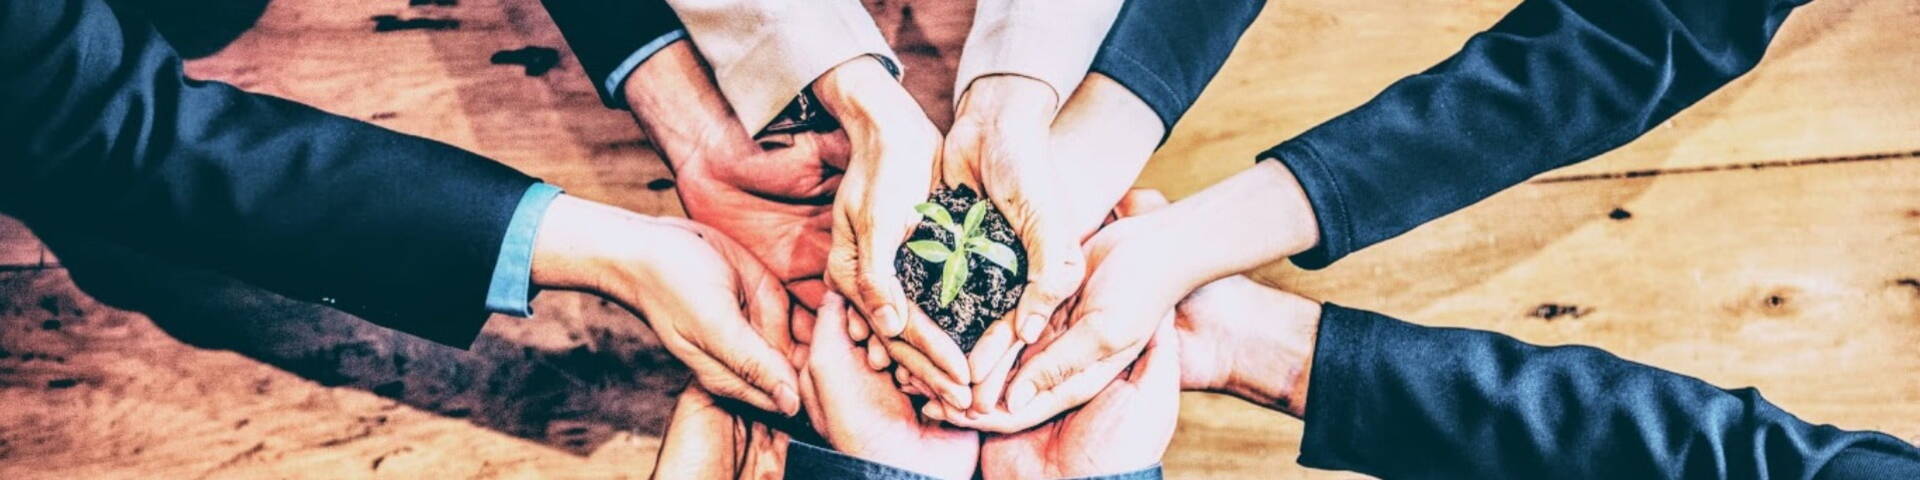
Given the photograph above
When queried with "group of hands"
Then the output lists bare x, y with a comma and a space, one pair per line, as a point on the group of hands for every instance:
822, 215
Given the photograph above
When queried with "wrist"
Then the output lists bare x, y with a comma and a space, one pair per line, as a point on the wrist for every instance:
1271, 366
675, 101
583, 245
865, 97
1255, 217
1012, 100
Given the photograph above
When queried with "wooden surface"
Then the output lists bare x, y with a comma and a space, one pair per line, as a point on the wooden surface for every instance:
1770, 237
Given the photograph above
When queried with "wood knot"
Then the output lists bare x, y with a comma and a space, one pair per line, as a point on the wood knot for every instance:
1554, 311
1619, 214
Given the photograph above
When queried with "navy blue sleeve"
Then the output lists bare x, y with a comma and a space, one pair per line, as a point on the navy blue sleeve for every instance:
611, 37
1397, 400
1166, 51
101, 132
1554, 82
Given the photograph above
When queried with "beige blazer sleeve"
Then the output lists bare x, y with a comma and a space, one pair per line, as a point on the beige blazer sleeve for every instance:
1053, 41
764, 52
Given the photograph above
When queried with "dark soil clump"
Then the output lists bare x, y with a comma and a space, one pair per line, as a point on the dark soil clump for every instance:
990, 290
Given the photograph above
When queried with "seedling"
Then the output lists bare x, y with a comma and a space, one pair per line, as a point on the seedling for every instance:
968, 240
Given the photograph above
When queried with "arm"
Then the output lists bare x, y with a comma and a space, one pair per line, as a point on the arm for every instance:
104, 134
1393, 399
765, 52
612, 38
1048, 41
1555, 82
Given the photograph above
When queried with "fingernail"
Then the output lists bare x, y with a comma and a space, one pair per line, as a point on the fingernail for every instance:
1030, 329
890, 320
932, 410
960, 398
787, 400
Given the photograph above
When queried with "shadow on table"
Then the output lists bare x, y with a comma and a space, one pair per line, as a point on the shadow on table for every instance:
572, 398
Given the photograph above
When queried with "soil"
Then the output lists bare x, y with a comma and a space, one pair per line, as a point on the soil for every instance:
990, 291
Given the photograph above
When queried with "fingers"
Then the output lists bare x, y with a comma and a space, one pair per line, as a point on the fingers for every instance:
986, 393
933, 343
1070, 393
744, 367
994, 345
1093, 338
949, 390
802, 323
1055, 274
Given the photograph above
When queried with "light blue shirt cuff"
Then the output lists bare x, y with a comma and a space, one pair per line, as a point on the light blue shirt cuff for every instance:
511, 291
617, 79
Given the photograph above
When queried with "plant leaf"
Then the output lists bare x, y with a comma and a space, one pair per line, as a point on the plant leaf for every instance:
993, 251
953, 277
975, 215
936, 213
929, 250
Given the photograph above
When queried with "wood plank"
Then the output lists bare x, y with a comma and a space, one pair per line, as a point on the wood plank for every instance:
1789, 279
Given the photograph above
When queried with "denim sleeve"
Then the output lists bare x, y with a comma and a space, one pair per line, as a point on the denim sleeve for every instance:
1393, 399
511, 289
1166, 51
1554, 82
806, 461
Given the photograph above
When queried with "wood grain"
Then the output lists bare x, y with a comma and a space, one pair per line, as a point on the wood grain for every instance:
1798, 277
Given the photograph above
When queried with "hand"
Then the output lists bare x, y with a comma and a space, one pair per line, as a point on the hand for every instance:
772, 194
860, 413
691, 284
1135, 281
999, 146
704, 440
1126, 428
1255, 342
893, 154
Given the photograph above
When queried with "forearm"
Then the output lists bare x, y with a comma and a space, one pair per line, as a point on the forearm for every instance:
1100, 142
607, 37
1167, 51
1392, 399
111, 138
1051, 41
766, 51
1555, 82
683, 113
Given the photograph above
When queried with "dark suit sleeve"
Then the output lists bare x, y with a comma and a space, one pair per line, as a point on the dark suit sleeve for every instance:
1398, 400
1555, 82
1166, 51
100, 132
605, 33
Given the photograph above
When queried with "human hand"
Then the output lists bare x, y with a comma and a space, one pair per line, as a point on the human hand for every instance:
704, 440
710, 302
1248, 340
860, 413
1133, 283
772, 193
999, 145
1126, 428
893, 154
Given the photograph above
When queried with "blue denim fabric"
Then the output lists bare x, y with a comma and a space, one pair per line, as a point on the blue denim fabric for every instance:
806, 461
511, 292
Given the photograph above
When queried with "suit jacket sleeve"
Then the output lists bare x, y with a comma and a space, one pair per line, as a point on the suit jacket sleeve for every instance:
603, 34
1167, 51
1555, 82
765, 52
1053, 41
104, 134
1395, 400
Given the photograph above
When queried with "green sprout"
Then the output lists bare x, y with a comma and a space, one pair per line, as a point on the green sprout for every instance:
968, 238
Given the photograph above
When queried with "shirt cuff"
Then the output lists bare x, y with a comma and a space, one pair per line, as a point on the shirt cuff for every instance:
616, 81
807, 461
511, 291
